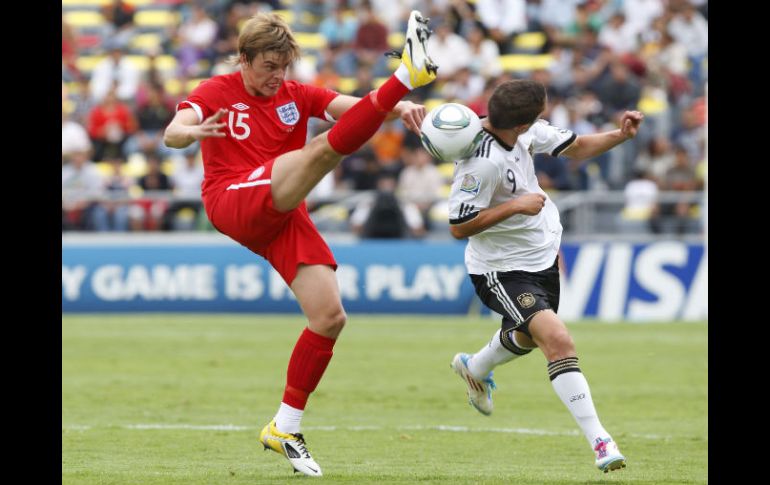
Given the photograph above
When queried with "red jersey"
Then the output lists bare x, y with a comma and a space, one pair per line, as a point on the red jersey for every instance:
259, 128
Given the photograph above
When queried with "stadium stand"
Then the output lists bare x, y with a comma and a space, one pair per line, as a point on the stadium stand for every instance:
667, 67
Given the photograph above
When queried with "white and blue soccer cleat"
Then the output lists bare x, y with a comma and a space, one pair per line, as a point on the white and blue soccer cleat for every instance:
479, 391
608, 456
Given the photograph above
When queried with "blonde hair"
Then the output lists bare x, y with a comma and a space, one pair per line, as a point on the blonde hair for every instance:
265, 32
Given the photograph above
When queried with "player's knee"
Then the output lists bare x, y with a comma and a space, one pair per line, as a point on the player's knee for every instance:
337, 320
322, 153
331, 324
561, 345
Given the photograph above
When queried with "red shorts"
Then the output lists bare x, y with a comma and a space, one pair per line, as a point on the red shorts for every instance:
243, 210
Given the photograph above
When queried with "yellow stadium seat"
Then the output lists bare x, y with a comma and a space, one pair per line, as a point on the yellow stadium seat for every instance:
162, 63
137, 157
85, 3
652, 106
167, 167
444, 193
193, 83
347, 85
73, 87
140, 62
396, 40
173, 86
524, 62
379, 82
104, 168
433, 102
447, 170
308, 18
146, 42
68, 106
529, 41
87, 63
335, 212
165, 63
636, 213
135, 192
84, 18
156, 18
307, 40
135, 166
286, 15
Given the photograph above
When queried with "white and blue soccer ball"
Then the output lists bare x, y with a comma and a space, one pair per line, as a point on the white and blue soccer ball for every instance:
450, 132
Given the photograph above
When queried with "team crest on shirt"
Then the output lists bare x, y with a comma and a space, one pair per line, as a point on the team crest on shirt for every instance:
526, 300
288, 113
470, 184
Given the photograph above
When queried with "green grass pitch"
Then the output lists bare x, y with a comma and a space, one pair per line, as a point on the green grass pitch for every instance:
180, 399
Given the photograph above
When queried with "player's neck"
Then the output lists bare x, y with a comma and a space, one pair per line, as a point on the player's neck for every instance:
509, 136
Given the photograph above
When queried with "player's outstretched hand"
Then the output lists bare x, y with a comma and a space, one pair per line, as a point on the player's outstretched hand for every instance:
411, 115
629, 123
210, 126
530, 204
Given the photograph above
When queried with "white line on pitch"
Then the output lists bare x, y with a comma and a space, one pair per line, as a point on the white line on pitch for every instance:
440, 427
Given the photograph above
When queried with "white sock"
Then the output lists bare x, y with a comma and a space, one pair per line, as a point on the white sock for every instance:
288, 418
573, 390
489, 357
402, 73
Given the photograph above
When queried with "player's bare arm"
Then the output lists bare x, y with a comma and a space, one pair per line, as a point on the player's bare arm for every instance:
411, 114
527, 204
184, 129
340, 104
587, 146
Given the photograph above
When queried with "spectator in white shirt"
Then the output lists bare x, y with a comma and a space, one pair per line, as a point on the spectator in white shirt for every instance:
502, 19
115, 68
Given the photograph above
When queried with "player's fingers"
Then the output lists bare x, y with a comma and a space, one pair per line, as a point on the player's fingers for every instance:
215, 117
419, 116
411, 123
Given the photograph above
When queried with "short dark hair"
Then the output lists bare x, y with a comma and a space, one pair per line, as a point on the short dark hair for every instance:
516, 102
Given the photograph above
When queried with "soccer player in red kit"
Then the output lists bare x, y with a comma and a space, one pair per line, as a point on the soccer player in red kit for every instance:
252, 126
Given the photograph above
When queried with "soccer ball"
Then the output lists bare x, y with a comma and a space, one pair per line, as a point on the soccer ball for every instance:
450, 132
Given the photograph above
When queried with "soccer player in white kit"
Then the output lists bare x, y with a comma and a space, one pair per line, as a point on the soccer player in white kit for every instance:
514, 234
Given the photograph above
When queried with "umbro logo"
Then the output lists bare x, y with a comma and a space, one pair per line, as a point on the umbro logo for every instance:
240, 106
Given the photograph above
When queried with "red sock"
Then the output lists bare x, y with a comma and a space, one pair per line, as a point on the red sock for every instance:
364, 118
307, 364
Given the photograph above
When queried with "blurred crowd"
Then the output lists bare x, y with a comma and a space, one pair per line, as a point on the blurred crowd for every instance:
125, 65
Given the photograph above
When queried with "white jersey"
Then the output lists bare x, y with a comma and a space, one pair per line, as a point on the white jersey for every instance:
495, 174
